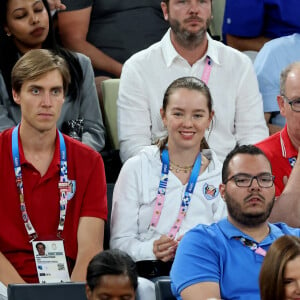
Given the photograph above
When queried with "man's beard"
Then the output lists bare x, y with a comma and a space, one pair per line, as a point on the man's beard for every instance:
247, 219
185, 38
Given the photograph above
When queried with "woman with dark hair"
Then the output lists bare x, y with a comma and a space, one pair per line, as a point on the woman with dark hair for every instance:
25, 25
169, 188
113, 274
280, 272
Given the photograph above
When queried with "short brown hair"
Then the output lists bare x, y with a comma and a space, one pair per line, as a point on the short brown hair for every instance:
36, 63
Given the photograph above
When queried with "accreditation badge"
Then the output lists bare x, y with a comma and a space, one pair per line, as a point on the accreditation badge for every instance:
50, 261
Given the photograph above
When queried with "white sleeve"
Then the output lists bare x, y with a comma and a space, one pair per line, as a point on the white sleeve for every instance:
145, 289
219, 209
250, 123
3, 291
125, 218
134, 122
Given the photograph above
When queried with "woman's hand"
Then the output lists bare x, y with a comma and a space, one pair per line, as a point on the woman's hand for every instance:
164, 248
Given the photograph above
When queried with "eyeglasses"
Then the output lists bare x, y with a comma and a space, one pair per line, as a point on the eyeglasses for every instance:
295, 104
245, 180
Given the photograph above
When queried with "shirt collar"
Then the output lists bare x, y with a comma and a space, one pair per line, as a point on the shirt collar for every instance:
212, 50
287, 148
230, 232
55, 163
170, 54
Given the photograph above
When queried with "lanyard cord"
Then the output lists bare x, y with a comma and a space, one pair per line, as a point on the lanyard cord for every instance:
251, 245
63, 184
207, 70
161, 193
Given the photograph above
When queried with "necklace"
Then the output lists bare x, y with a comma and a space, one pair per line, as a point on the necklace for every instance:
178, 169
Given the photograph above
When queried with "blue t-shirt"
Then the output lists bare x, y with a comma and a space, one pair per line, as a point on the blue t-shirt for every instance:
275, 56
269, 18
213, 254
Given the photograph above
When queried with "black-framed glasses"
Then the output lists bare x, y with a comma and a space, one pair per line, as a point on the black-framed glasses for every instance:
295, 104
245, 180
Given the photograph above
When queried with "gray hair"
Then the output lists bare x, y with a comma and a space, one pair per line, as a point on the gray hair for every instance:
284, 75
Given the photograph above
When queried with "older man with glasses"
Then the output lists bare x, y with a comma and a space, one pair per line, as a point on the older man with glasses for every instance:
282, 150
223, 260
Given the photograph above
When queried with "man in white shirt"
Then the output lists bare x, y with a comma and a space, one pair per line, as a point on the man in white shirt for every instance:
187, 50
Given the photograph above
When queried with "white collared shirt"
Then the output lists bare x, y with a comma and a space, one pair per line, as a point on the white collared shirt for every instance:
146, 75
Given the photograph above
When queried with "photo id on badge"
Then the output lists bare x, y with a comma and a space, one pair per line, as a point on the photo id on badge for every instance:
50, 261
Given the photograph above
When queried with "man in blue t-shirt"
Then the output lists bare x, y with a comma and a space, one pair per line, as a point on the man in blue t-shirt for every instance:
249, 24
223, 260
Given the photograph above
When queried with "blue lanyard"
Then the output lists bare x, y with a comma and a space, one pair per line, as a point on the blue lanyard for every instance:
162, 192
63, 184
192, 180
